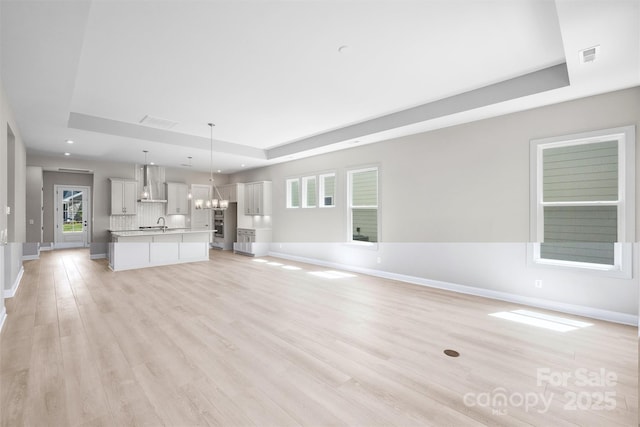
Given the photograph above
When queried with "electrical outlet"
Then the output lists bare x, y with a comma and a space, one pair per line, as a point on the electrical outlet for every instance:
538, 284
379, 260
30, 222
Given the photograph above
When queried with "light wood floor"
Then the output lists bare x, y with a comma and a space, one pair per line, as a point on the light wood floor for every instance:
235, 342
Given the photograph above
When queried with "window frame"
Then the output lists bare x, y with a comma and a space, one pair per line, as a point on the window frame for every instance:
322, 189
289, 192
350, 207
625, 137
305, 191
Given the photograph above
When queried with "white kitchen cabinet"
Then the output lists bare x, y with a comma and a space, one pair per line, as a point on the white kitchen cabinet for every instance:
139, 249
253, 242
177, 200
123, 196
257, 198
245, 238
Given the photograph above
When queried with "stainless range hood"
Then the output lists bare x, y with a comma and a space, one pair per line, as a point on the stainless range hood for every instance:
152, 179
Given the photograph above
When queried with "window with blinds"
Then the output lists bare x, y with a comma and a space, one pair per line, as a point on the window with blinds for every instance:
309, 192
327, 190
293, 193
580, 202
583, 206
363, 205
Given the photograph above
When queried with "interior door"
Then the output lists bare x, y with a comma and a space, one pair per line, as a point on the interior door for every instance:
72, 216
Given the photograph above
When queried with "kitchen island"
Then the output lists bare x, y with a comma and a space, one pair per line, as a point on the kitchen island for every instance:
132, 249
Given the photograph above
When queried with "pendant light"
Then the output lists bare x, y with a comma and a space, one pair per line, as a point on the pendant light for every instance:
215, 203
189, 195
145, 190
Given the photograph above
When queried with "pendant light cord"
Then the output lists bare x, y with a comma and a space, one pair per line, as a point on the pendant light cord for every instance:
211, 125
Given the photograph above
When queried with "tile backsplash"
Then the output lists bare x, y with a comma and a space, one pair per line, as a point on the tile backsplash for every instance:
148, 214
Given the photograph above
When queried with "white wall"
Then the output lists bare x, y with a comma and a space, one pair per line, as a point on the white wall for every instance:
455, 206
33, 212
12, 194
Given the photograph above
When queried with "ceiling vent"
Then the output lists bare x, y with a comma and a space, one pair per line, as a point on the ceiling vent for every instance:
589, 54
157, 122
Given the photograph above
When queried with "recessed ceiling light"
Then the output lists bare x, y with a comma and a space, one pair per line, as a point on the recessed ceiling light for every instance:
219, 170
242, 165
151, 163
69, 141
67, 154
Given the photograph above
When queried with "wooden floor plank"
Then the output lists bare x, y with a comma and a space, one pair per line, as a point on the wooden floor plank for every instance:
234, 342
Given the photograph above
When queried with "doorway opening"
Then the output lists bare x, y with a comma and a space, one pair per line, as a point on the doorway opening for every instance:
72, 216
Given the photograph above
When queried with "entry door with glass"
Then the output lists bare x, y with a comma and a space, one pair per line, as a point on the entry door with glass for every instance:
72, 216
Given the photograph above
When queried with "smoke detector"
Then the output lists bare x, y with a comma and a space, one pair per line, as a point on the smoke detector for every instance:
589, 54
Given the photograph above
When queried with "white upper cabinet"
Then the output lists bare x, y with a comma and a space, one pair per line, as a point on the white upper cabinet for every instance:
257, 198
123, 196
177, 198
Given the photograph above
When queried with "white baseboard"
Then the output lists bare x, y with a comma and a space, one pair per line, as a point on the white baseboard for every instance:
46, 248
67, 245
30, 257
594, 313
3, 316
10, 293
97, 256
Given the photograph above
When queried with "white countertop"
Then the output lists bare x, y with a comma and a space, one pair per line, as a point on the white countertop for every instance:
156, 231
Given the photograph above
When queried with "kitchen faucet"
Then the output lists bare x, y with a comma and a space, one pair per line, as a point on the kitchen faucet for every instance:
164, 227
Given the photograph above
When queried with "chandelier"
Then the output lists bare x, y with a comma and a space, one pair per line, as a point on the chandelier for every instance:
215, 203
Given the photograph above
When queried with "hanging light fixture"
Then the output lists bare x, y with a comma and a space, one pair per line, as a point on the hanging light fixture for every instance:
145, 190
189, 195
215, 203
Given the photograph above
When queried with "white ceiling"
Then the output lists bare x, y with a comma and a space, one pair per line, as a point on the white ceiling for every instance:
271, 76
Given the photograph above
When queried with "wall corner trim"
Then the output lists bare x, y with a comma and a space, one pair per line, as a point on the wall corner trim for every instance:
9, 293
578, 310
3, 317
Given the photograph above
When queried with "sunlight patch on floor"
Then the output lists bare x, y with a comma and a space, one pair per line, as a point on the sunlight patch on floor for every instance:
541, 320
276, 264
331, 274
